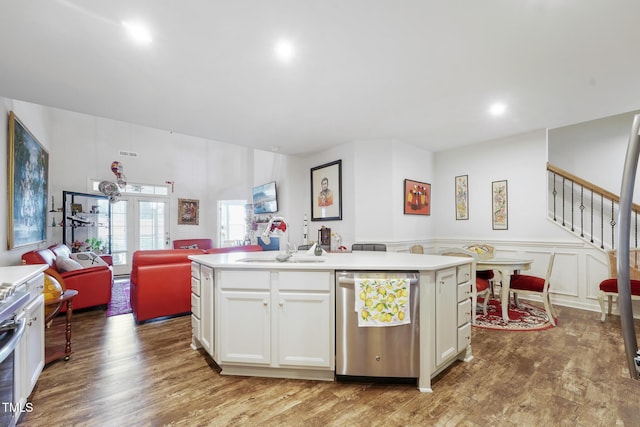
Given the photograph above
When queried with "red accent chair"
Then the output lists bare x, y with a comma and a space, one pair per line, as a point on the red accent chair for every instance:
532, 285
92, 283
193, 244
609, 287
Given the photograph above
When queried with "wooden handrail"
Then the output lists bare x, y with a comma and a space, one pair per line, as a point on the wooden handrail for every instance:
586, 184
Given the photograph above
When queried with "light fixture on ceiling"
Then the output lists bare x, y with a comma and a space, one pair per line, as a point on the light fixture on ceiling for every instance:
497, 109
284, 50
138, 32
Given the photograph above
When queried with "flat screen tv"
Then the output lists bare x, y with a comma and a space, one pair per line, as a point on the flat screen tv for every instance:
265, 198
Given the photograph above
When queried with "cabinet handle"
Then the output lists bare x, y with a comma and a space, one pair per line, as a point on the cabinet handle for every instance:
265, 303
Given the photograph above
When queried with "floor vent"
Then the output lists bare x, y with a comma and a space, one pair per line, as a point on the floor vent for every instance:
128, 154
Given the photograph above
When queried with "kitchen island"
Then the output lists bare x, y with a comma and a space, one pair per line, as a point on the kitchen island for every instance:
259, 317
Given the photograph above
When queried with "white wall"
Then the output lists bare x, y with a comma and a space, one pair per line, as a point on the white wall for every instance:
521, 160
594, 150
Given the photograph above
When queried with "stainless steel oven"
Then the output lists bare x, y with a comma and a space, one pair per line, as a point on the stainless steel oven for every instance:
11, 332
12, 329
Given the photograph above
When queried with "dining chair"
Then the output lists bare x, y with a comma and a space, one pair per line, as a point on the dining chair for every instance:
479, 287
523, 284
609, 287
380, 247
484, 251
416, 249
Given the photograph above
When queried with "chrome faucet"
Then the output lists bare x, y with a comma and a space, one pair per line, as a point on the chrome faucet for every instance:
271, 228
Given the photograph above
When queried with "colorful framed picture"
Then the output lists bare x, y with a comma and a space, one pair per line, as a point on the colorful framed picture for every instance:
188, 211
28, 172
500, 205
462, 197
326, 192
417, 198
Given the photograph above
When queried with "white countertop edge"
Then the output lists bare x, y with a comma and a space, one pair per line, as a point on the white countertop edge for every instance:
15, 274
360, 260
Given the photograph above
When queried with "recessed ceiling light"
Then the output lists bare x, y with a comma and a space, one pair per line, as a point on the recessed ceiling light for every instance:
284, 50
497, 109
138, 32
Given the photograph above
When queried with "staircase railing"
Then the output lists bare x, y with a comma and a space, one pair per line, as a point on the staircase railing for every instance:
587, 210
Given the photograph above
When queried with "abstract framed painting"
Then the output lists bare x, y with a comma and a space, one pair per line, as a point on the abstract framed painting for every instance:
417, 198
500, 205
326, 192
462, 197
28, 174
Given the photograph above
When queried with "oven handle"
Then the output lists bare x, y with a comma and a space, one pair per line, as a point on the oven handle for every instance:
13, 342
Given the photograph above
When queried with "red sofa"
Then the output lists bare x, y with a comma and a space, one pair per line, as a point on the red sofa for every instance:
161, 280
92, 283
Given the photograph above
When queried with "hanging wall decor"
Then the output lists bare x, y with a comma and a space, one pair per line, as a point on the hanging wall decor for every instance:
462, 197
417, 198
28, 172
500, 205
326, 192
188, 211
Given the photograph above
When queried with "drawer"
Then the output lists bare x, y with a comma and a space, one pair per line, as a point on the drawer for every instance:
195, 270
464, 312
464, 292
305, 281
464, 273
195, 286
195, 327
195, 305
464, 336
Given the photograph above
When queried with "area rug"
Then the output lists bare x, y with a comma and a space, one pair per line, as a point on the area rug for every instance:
525, 318
119, 303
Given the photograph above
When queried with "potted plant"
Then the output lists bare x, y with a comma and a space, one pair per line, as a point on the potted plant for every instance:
95, 244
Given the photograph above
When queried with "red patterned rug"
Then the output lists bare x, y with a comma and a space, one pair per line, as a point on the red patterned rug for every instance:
119, 303
526, 318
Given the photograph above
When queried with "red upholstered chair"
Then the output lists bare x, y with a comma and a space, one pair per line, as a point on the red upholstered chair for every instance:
532, 285
609, 287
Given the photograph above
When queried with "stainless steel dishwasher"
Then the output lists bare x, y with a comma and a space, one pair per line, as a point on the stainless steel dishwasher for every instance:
383, 352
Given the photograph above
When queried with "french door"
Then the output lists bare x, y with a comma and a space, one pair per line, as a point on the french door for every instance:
137, 223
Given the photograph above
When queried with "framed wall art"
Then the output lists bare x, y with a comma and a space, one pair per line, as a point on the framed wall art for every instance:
500, 205
417, 198
326, 192
28, 173
188, 211
462, 197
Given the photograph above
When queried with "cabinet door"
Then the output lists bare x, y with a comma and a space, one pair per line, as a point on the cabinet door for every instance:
32, 348
207, 304
304, 329
245, 333
446, 315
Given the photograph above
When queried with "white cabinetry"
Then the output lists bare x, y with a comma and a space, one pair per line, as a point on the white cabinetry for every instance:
245, 306
202, 307
453, 312
277, 319
305, 326
29, 355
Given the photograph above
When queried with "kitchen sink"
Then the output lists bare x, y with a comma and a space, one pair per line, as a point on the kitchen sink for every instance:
292, 260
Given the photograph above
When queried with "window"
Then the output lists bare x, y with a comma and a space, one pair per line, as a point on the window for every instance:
232, 222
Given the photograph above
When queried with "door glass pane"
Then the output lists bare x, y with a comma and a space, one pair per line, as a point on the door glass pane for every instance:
151, 218
119, 232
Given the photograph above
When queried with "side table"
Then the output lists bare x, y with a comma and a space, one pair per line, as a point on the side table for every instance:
53, 354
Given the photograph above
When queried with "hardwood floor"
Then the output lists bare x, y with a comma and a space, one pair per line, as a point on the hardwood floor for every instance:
126, 375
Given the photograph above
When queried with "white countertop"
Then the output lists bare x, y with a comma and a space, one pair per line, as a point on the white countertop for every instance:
16, 274
358, 260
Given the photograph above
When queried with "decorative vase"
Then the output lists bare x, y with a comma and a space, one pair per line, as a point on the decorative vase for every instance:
318, 250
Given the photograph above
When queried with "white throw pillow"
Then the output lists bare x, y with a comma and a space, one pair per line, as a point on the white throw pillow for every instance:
67, 264
88, 259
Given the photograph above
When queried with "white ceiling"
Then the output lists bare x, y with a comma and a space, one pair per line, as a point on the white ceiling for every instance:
420, 71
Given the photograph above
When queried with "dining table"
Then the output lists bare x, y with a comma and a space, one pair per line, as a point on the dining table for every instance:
506, 267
